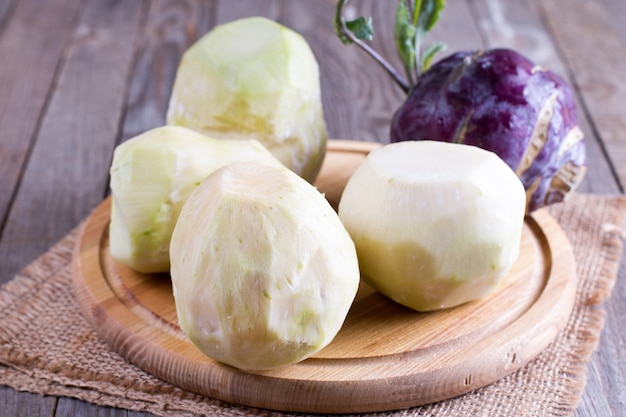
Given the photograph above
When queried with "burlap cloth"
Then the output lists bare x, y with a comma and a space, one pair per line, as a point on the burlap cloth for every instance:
47, 347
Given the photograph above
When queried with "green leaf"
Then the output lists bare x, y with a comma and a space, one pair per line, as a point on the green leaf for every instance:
339, 23
404, 33
429, 14
414, 19
429, 53
361, 27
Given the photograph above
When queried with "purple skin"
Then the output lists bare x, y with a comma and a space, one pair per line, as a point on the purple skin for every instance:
493, 99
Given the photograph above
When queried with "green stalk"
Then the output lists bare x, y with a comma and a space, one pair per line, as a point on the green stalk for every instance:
414, 19
349, 36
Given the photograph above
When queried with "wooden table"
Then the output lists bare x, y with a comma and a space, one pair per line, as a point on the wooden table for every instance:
78, 77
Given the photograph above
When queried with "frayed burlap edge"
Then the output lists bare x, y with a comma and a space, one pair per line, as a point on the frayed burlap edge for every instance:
606, 221
591, 293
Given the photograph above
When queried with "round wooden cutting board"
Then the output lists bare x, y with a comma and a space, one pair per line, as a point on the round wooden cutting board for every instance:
385, 357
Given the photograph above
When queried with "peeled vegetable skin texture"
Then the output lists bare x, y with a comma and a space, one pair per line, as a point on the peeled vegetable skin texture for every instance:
500, 101
152, 175
435, 224
263, 271
253, 77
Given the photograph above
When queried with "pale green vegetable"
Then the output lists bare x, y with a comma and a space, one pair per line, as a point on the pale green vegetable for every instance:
254, 78
263, 270
435, 224
152, 175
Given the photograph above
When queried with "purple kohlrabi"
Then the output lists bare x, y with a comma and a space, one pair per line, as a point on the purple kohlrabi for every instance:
501, 101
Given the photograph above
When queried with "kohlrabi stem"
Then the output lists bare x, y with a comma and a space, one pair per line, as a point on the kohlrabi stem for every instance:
418, 54
344, 33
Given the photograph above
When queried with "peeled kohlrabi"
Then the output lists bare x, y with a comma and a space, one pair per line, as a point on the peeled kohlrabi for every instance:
435, 224
263, 270
152, 175
254, 78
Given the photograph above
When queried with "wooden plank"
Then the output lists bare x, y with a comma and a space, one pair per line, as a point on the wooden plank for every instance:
519, 26
597, 69
341, 83
358, 96
457, 28
231, 10
606, 381
616, 11
171, 27
594, 402
69, 408
26, 78
6, 10
81, 121
24, 404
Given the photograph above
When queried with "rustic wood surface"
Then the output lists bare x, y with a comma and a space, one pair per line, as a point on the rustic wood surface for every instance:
136, 314
79, 76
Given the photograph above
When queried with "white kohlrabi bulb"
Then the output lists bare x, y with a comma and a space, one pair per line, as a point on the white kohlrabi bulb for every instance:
151, 177
263, 270
254, 78
435, 224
